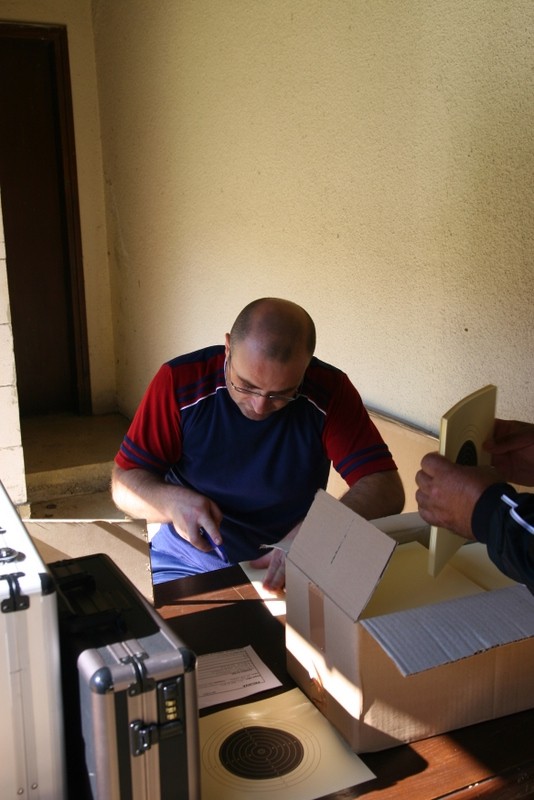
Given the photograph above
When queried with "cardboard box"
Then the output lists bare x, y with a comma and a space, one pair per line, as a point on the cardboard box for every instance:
391, 654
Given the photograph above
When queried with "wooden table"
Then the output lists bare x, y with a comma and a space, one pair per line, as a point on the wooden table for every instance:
489, 760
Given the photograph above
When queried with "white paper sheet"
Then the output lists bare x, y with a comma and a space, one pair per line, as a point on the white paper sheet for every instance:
230, 675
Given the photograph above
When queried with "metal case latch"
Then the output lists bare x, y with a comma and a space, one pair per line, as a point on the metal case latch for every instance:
16, 600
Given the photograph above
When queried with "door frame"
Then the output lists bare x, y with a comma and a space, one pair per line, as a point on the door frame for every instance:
56, 36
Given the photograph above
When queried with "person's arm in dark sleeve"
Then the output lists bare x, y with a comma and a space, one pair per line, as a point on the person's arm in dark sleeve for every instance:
503, 520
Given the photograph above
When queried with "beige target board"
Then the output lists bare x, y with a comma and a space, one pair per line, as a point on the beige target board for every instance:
463, 430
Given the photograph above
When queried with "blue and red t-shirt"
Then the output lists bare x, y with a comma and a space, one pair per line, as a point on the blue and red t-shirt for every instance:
263, 474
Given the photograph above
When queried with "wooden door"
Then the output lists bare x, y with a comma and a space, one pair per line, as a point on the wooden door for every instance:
41, 223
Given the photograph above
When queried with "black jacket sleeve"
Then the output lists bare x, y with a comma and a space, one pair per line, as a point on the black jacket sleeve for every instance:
503, 519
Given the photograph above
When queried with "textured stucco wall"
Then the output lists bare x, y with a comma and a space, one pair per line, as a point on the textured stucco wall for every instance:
371, 160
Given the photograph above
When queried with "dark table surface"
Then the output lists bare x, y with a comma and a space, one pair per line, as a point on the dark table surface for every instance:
221, 610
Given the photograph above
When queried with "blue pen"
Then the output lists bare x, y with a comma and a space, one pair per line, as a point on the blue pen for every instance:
219, 549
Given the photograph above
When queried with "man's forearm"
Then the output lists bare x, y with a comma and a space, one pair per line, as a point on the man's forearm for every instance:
377, 495
141, 495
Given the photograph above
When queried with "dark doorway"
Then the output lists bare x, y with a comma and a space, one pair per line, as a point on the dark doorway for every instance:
41, 221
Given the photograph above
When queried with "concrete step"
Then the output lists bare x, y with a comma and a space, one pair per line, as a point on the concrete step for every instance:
68, 455
68, 481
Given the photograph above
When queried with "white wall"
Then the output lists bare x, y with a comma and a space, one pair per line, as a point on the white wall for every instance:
370, 160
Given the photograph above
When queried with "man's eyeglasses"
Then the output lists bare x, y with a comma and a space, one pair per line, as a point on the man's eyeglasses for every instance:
273, 398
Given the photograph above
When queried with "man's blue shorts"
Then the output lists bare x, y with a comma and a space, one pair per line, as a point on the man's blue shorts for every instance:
172, 557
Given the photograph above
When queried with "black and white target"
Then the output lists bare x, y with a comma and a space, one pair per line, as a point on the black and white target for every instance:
262, 755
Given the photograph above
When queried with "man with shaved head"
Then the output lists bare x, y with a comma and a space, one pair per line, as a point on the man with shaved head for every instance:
231, 443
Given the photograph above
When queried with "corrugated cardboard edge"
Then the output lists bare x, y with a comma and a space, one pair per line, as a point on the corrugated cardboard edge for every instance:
420, 639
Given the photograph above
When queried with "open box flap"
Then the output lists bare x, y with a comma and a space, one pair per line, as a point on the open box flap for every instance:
431, 636
340, 552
